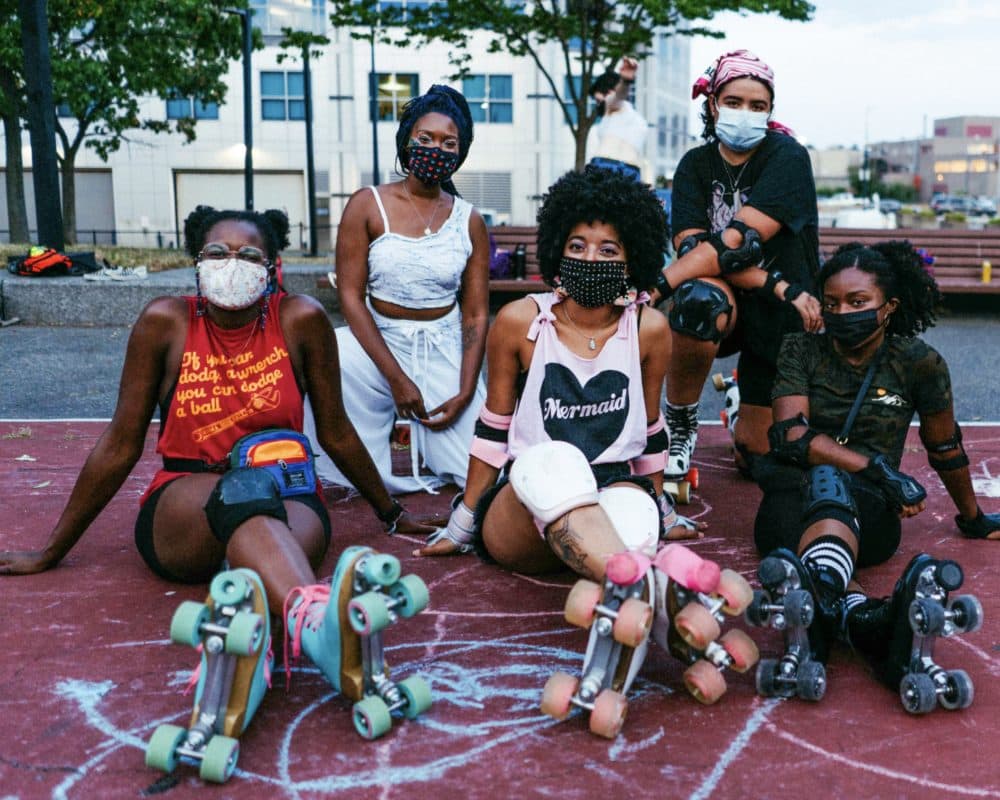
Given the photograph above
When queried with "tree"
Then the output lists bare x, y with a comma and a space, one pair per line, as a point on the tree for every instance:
108, 55
590, 35
11, 112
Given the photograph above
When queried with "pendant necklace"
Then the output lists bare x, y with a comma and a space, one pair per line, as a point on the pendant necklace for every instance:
591, 340
734, 183
429, 222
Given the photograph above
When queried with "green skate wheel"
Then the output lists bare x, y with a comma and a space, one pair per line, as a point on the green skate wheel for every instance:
371, 717
185, 627
417, 694
229, 588
368, 613
380, 569
219, 759
245, 634
411, 594
161, 752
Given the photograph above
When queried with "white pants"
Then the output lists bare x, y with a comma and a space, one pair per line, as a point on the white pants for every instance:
430, 353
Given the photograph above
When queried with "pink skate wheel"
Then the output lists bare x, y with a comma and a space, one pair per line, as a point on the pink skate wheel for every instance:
696, 626
741, 649
688, 568
734, 589
633, 622
626, 568
557, 694
704, 682
580, 603
608, 715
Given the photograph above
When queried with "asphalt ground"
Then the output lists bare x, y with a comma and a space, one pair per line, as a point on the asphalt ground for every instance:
73, 373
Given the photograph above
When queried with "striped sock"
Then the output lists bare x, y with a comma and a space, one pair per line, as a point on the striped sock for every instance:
853, 599
830, 555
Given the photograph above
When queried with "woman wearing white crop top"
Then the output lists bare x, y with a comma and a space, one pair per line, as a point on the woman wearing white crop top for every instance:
413, 351
581, 365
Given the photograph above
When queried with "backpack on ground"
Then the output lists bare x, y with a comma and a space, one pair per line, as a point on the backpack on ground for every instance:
41, 262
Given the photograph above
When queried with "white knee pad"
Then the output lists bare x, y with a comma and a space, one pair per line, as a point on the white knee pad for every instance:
635, 517
551, 479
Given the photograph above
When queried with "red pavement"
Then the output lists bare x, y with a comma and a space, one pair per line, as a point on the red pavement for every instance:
90, 671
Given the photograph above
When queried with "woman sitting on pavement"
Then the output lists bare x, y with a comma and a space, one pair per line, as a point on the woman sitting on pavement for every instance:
833, 490
234, 360
574, 383
412, 278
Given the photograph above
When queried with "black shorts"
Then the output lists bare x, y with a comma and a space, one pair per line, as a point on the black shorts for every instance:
144, 529
755, 371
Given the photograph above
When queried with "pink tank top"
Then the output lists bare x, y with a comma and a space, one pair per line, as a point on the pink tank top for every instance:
595, 403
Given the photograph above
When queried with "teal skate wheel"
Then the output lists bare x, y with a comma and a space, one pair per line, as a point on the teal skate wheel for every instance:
411, 594
380, 569
368, 613
245, 634
161, 752
417, 695
185, 627
371, 717
219, 759
229, 588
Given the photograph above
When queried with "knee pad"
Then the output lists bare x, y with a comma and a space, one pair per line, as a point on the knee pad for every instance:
635, 516
828, 496
551, 479
696, 309
240, 494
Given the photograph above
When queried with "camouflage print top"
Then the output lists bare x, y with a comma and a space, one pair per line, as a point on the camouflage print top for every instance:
911, 378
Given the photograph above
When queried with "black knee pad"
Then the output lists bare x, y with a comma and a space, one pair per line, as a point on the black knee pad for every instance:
827, 495
240, 494
696, 309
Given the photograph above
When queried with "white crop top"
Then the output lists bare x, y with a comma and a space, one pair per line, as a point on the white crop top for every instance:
424, 272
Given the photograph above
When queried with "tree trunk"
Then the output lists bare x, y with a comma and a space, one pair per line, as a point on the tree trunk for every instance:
17, 207
68, 176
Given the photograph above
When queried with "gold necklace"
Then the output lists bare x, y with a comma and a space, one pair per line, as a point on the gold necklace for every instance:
591, 340
427, 224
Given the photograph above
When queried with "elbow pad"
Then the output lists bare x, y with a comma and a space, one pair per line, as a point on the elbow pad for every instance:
489, 443
935, 452
736, 259
794, 452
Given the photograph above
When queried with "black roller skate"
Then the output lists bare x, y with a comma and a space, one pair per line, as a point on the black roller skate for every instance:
796, 602
918, 612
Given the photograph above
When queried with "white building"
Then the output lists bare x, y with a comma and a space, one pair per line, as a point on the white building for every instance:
522, 143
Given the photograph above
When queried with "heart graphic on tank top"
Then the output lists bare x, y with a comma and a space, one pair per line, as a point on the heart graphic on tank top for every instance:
591, 416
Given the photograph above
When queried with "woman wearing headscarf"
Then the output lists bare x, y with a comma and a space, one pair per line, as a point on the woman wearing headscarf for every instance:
744, 213
412, 277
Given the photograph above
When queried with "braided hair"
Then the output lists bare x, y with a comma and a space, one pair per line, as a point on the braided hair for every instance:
442, 100
900, 272
603, 195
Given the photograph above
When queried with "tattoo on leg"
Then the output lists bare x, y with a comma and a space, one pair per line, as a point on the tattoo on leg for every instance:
567, 545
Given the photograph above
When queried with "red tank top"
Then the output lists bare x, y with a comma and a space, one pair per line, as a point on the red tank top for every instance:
231, 383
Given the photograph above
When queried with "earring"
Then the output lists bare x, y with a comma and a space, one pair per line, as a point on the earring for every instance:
201, 305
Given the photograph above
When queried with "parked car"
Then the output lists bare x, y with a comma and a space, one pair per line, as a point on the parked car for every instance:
951, 203
986, 207
889, 206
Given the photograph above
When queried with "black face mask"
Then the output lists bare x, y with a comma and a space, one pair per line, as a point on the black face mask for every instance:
592, 283
853, 328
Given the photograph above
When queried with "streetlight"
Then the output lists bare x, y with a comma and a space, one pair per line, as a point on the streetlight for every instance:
246, 16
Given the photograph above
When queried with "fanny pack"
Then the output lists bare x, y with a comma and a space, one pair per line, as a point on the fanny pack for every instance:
284, 453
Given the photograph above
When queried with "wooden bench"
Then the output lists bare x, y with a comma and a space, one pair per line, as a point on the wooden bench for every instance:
958, 255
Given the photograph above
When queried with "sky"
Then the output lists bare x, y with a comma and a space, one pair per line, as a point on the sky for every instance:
888, 67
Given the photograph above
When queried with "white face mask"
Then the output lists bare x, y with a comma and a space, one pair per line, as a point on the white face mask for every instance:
232, 283
741, 130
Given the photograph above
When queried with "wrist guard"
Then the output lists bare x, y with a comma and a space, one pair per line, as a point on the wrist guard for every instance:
980, 527
898, 487
461, 528
793, 291
736, 259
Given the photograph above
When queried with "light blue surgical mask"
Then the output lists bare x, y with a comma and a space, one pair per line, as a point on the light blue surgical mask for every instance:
741, 130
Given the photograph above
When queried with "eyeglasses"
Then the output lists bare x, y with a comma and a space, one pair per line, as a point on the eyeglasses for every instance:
214, 251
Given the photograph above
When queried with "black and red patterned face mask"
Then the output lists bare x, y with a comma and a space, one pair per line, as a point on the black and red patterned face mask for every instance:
431, 164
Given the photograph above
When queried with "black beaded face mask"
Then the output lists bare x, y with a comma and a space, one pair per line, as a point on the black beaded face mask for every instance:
593, 283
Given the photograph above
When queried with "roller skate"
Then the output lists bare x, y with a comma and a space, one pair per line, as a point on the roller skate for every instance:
899, 633
232, 630
693, 596
619, 617
340, 628
679, 477
731, 392
788, 601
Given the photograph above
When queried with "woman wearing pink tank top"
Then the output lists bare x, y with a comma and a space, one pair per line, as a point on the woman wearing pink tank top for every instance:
582, 365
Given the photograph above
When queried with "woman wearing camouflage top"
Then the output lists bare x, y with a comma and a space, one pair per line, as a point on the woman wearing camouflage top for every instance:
833, 502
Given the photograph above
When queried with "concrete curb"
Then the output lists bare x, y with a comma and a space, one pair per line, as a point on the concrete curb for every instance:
74, 301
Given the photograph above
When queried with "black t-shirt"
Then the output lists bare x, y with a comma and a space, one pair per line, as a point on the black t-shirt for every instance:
912, 377
777, 181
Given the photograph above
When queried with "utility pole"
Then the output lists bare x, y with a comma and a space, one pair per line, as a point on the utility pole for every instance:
246, 19
41, 122
310, 165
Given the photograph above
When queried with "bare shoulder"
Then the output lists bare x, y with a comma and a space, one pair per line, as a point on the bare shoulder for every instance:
163, 312
302, 309
516, 316
652, 322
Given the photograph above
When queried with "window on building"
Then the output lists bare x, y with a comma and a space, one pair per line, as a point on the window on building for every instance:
282, 96
490, 97
393, 91
568, 97
404, 6
270, 16
179, 107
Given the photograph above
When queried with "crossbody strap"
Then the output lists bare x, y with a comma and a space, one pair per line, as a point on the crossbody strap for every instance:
865, 384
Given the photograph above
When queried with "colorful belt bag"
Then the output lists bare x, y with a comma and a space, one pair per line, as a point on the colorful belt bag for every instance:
284, 453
